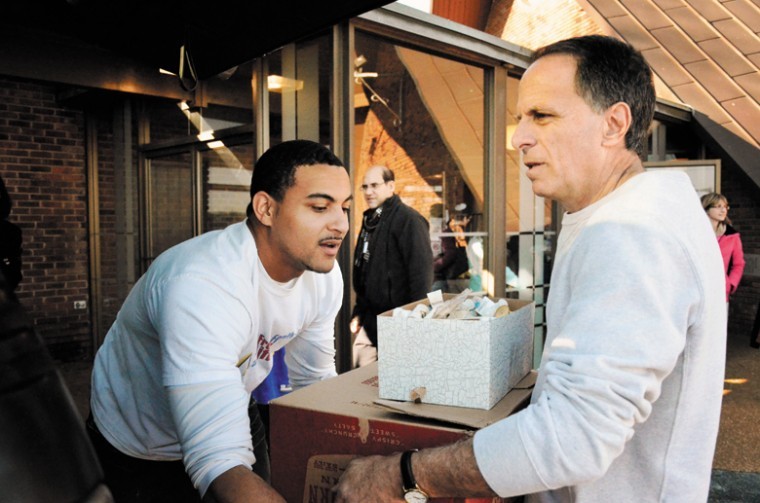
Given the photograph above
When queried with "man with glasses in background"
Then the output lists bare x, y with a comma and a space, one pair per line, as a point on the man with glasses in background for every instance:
393, 260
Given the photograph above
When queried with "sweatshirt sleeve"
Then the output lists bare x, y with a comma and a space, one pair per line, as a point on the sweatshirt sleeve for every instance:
200, 344
617, 327
213, 428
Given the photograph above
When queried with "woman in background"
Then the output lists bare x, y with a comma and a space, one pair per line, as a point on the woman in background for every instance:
716, 207
452, 262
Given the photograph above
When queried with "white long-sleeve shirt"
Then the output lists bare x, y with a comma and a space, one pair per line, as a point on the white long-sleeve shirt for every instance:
194, 337
627, 403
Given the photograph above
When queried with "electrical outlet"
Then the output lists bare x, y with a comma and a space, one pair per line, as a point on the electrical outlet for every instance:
80, 304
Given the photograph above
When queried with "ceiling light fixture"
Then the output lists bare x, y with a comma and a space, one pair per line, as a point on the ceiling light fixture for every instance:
279, 84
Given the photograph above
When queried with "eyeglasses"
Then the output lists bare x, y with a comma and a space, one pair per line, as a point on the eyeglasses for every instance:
371, 186
720, 206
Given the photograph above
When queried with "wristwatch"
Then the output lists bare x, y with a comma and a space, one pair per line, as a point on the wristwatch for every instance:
412, 492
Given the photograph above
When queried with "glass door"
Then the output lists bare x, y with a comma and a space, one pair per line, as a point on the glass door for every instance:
169, 203
197, 161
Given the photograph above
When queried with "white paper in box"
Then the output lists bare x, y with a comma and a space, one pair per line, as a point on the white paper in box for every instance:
464, 363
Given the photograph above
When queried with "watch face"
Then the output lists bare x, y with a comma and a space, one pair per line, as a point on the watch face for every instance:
415, 496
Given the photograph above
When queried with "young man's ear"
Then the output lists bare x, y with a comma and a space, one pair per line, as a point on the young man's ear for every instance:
263, 207
616, 124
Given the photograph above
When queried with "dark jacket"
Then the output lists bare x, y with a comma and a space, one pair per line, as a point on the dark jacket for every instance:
400, 267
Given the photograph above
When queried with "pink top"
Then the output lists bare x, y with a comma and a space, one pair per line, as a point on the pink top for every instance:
733, 260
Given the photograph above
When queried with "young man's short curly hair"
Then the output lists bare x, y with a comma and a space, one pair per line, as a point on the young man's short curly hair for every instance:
275, 171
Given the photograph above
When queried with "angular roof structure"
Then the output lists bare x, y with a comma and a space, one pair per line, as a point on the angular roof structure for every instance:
705, 55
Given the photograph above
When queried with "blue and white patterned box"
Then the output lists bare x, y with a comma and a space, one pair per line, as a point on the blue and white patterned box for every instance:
464, 363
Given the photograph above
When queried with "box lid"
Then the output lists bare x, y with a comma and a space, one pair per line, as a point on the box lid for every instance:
514, 305
475, 418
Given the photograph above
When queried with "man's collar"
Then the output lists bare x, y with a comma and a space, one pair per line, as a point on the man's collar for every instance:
390, 201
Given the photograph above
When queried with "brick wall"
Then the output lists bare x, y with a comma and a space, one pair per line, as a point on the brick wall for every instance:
112, 291
42, 160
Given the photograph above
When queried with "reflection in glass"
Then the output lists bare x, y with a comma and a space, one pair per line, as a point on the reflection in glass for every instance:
226, 176
298, 85
422, 116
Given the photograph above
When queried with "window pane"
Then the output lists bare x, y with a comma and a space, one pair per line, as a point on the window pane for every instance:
170, 202
226, 173
423, 117
298, 82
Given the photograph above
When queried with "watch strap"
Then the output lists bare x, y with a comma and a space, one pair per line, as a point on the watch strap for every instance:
407, 475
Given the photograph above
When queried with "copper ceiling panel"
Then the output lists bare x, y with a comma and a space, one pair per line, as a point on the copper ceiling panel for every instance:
706, 51
725, 55
668, 4
746, 12
681, 47
745, 112
634, 33
647, 14
696, 97
710, 9
608, 9
693, 24
667, 68
738, 34
750, 83
713, 79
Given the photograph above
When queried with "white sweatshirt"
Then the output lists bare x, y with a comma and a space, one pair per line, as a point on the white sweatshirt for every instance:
627, 404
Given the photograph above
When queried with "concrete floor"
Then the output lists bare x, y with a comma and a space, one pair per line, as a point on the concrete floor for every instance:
738, 446
736, 467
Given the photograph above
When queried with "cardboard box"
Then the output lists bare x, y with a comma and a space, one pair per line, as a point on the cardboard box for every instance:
316, 431
463, 363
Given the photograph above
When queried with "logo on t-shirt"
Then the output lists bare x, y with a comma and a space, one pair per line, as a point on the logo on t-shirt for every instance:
264, 349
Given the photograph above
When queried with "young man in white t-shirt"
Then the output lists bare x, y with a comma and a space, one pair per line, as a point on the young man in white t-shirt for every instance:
172, 382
